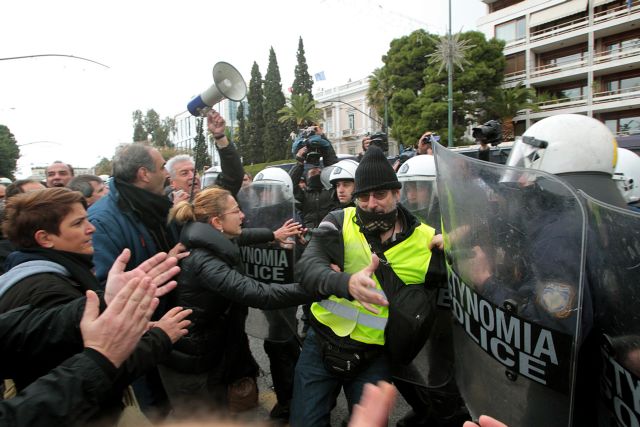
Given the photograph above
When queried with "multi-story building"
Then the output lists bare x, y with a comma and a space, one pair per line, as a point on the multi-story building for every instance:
581, 56
186, 125
348, 117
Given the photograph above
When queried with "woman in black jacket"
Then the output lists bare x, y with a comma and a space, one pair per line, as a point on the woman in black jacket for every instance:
52, 266
212, 283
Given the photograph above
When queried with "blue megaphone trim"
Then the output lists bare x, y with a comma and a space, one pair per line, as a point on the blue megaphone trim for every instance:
196, 105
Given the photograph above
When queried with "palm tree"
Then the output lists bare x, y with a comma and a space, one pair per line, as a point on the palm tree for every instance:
301, 110
379, 92
506, 103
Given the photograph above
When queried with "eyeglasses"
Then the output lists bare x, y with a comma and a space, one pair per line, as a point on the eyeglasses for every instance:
378, 195
234, 211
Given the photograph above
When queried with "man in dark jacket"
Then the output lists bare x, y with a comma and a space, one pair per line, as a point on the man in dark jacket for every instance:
345, 346
72, 392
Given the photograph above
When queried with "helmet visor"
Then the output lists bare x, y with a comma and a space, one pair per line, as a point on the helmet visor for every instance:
527, 153
418, 193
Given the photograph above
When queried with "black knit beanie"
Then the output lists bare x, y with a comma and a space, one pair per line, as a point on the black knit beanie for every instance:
375, 173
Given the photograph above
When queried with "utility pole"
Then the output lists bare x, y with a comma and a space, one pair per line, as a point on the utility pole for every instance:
450, 84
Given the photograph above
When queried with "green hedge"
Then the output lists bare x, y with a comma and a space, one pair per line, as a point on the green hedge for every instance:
255, 168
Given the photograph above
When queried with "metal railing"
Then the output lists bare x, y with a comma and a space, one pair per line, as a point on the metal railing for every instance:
556, 30
561, 103
616, 12
557, 68
607, 56
576, 24
617, 95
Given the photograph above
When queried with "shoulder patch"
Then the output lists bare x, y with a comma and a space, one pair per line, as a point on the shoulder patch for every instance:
558, 299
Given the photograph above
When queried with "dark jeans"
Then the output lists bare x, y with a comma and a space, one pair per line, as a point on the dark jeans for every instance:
315, 390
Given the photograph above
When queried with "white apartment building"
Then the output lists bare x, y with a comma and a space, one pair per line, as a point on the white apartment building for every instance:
348, 117
584, 55
186, 124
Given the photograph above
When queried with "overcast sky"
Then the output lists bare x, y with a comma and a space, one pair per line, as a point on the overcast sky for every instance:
160, 54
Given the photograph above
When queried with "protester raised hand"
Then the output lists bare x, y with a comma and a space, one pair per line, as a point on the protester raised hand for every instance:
116, 332
160, 268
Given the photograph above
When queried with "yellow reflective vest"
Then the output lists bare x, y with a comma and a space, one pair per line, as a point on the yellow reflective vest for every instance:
409, 260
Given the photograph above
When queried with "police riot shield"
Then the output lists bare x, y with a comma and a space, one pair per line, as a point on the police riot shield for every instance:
613, 274
268, 204
514, 245
433, 366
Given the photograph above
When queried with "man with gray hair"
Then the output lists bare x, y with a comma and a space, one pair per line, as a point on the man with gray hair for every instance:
134, 215
92, 187
183, 178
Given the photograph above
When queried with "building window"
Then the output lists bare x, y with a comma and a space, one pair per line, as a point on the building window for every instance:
563, 56
567, 91
515, 63
623, 84
352, 121
511, 31
624, 125
623, 45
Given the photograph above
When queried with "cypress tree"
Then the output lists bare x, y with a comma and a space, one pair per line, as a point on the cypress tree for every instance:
275, 135
202, 157
241, 138
255, 126
302, 82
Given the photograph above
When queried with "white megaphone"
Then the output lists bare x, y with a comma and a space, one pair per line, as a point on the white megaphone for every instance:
227, 83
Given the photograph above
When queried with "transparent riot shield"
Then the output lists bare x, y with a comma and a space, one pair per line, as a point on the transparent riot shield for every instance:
433, 366
514, 244
268, 204
613, 275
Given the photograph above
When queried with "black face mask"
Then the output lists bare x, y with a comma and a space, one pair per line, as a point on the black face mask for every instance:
376, 222
314, 182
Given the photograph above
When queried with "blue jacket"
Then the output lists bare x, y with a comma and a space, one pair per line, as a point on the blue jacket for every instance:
116, 229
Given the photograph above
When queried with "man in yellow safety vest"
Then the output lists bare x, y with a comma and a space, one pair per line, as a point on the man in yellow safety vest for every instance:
345, 346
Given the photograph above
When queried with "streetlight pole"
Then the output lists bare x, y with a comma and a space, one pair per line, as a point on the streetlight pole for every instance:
357, 109
450, 84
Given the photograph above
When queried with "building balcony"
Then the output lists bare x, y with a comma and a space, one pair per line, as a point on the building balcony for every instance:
514, 78
560, 29
627, 96
606, 16
616, 13
545, 70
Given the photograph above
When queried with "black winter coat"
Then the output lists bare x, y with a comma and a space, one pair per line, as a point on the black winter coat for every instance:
72, 392
212, 283
49, 290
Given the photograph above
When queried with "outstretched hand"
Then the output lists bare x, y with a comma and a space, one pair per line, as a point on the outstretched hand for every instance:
116, 332
160, 268
363, 288
290, 228
174, 323
484, 421
375, 406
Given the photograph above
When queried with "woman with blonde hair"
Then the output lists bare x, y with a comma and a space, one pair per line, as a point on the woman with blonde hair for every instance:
215, 354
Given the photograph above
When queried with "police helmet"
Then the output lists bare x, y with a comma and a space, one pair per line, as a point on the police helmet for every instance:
274, 185
344, 170
627, 175
579, 149
423, 165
